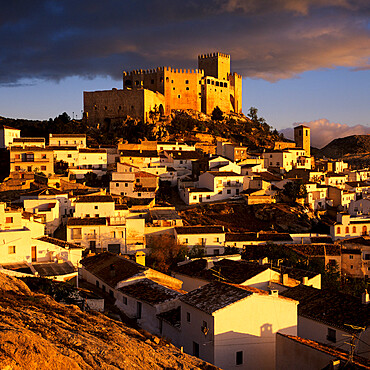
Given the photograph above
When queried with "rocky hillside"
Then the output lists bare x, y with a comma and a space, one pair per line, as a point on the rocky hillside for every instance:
349, 145
38, 333
249, 130
237, 217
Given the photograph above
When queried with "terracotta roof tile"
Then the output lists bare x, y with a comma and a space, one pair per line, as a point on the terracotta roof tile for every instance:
112, 268
150, 292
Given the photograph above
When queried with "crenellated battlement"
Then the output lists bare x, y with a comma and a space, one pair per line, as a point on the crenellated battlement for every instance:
213, 55
138, 72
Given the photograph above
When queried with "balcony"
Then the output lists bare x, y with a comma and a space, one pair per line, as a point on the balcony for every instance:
91, 236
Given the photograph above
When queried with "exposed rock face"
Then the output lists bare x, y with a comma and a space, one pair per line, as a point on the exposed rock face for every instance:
38, 333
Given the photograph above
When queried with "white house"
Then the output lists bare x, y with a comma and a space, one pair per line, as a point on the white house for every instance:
213, 186
115, 234
359, 207
7, 135
94, 206
234, 327
47, 211
110, 272
72, 140
210, 238
144, 299
330, 317
90, 160
349, 227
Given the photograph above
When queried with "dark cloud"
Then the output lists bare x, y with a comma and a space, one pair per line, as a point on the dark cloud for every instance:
267, 39
323, 131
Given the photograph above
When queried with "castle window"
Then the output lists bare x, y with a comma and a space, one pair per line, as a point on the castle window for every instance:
217, 83
137, 82
152, 82
212, 82
120, 107
171, 81
179, 96
221, 84
187, 88
225, 84
105, 108
187, 82
173, 88
128, 83
200, 82
161, 79
208, 82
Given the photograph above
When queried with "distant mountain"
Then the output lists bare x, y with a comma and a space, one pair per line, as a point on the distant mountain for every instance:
347, 147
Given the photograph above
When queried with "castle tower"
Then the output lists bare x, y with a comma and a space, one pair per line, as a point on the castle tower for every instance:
302, 138
216, 65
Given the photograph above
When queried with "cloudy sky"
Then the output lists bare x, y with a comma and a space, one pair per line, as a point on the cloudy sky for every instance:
303, 61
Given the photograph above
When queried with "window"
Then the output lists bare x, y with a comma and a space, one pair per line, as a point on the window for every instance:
188, 316
117, 184
338, 230
43, 168
351, 267
76, 233
11, 249
239, 358
216, 252
87, 215
332, 335
9, 220
228, 191
194, 197
17, 168
208, 197
195, 349
97, 283
354, 229
43, 156
186, 240
351, 257
347, 229
124, 300
111, 293
96, 207
139, 310
69, 155
187, 82
17, 156
103, 287
96, 214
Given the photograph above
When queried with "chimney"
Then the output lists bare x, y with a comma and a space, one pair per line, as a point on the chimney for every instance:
365, 297
274, 292
112, 270
284, 279
210, 264
140, 258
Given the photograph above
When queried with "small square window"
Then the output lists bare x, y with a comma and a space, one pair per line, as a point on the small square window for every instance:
9, 220
96, 207
11, 249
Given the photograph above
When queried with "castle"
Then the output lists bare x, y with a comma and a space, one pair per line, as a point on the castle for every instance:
164, 89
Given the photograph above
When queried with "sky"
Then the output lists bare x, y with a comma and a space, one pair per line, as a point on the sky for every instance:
304, 61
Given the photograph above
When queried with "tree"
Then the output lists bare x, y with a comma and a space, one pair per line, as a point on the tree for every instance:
197, 251
295, 190
91, 179
165, 251
217, 114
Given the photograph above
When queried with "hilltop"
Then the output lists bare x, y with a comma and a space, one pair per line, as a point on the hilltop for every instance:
355, 144
249, 130
36, 332
353, 149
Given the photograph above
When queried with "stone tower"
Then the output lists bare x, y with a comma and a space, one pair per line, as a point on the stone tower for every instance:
216, 65
302, 138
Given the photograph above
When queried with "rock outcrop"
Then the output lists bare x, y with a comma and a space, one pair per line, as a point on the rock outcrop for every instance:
36, 332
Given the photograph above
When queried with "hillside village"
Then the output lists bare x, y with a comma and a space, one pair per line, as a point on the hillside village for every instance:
244, 256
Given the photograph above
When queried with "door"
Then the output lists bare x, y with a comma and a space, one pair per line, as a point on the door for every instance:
33, 254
